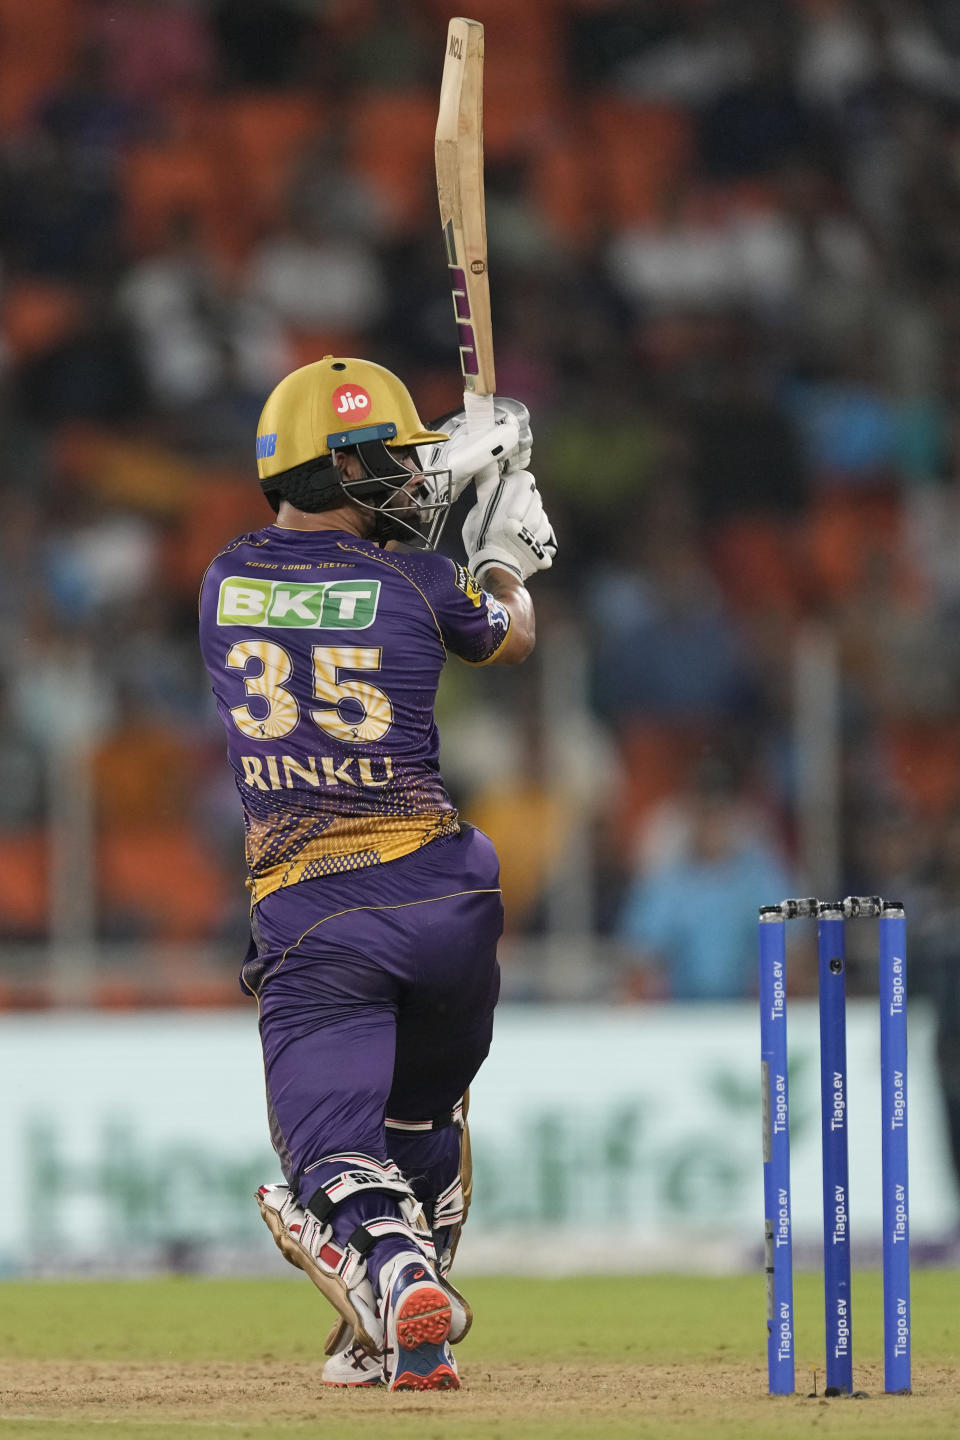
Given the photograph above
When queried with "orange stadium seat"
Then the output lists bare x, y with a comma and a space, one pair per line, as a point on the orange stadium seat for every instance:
561, 186
202, 990
500, 17
163, 181
309, 345
119, 992
23, 883
143, 771
924, 756
752, 197
757, 561
436, 390
163, 878
37, 41
189, 117
139, 473
37, 315
639, 152
583, 7
33, 994
847, 532
522, 71
258, 137
222, 506
391, 143
522, 59
166, 984
657, 761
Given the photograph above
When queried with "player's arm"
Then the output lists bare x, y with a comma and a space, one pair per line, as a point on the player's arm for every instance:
514, 596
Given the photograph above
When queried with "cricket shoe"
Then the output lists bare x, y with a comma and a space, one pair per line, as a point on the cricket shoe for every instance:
352, 1367
416, 1313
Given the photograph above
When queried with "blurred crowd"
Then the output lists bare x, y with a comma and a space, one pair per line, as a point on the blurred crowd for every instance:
725, 254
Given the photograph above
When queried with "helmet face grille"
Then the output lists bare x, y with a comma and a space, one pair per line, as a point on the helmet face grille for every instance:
409, 505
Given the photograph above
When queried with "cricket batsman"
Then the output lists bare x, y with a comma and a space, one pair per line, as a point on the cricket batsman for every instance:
375, 912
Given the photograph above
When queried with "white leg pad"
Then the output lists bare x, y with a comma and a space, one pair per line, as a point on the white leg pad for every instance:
339, 1272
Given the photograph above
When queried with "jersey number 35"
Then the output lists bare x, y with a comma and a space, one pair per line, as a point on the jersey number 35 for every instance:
349, 710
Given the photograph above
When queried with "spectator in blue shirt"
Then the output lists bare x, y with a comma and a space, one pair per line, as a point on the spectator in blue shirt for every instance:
689, 922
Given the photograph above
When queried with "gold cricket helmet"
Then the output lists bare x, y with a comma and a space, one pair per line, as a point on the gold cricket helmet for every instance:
331, 404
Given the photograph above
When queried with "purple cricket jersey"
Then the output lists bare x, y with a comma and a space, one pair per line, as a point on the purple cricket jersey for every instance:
324, 653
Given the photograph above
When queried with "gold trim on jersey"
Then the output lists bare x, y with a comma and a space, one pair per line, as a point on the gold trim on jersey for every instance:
352, 842
489, 659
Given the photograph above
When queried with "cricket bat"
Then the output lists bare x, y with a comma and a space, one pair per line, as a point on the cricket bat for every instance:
459, 157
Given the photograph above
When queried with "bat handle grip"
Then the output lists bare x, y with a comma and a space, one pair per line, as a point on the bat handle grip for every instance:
479, 412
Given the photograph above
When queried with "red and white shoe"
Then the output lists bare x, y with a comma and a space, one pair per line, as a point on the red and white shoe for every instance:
352, 1367
416, 1313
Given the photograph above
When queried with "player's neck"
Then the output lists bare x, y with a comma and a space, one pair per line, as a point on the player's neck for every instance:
346, 517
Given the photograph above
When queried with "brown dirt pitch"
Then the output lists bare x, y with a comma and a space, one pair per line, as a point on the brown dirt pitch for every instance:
649, 1357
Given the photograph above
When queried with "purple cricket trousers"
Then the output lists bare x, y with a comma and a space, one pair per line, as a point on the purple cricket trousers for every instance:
376, 991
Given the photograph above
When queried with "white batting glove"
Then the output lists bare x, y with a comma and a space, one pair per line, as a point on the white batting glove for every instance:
507, 444
510, 529
518, 457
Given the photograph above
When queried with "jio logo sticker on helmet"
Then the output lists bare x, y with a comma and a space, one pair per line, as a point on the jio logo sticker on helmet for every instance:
351, 400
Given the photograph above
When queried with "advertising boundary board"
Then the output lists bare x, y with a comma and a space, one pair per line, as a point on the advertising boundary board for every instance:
603, 1139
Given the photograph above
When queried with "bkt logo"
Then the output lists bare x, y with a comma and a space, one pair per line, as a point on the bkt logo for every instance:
351, 398
266, 446
325, 605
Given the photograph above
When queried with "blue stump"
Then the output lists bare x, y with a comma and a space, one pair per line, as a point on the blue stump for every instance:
893, 1099
778, 1231
836, 1182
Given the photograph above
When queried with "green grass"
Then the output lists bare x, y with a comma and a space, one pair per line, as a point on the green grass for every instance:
709, 1328
663, 1318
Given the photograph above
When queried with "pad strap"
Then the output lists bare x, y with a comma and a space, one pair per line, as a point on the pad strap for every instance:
361, 1173
366, 1236
369, 1175
439, 1122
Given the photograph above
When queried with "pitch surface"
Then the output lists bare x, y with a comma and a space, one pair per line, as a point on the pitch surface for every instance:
651, 1356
